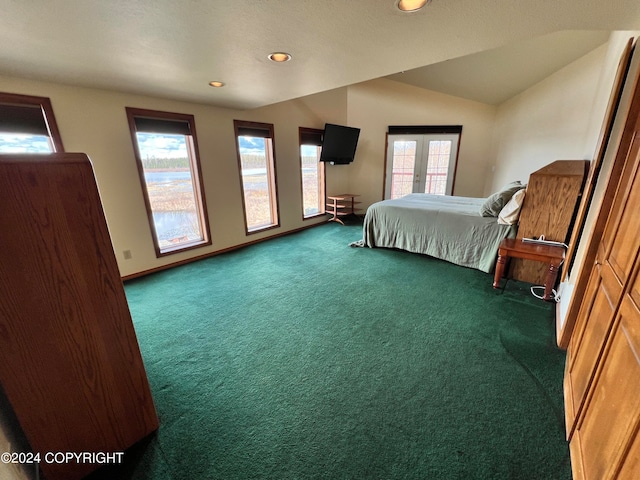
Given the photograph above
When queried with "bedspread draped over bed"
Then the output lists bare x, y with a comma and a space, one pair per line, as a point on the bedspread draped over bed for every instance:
445, 227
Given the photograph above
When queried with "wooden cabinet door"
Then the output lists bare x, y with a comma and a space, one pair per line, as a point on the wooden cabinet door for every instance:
615, 259
595, 320
603, 370
630, 468
606, 436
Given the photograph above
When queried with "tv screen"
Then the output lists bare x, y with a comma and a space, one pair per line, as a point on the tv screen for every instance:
339, 144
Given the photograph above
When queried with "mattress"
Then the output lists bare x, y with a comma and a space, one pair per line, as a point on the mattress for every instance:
445, 227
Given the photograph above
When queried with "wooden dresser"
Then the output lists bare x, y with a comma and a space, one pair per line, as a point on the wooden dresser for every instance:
602, 375
552, 198
70, 365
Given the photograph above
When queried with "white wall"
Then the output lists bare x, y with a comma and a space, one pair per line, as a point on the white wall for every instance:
375, 105
615, 48
549, 121
315, 110
94, 122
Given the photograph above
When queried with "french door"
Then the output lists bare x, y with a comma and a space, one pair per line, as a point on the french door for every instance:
424, 163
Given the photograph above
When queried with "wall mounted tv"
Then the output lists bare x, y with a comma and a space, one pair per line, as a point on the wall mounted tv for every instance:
339, 144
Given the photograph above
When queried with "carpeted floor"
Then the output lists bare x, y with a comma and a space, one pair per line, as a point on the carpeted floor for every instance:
303, 358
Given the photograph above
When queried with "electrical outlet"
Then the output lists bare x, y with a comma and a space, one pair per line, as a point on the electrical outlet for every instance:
127, 254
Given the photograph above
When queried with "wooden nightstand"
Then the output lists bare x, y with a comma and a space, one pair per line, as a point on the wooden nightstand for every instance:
552, 255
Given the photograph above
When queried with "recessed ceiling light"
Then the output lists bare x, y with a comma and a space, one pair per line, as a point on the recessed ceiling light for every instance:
411, 5
216, 83
279, 57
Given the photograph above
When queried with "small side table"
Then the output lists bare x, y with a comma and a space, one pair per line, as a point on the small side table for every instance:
553, 255
337, 209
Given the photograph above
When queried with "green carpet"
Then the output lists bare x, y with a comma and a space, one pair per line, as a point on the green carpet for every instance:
304, 358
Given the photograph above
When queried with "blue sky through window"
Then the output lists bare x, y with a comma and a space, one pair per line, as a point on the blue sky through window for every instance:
309, 150
161, 145
24, 143
251, 145
155, 145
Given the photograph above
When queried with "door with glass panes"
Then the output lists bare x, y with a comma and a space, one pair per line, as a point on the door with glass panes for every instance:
420, 164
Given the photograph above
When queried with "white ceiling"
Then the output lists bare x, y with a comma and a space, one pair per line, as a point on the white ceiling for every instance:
496, 75
173, 48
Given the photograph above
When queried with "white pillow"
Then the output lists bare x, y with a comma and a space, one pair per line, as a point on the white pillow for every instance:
511, 211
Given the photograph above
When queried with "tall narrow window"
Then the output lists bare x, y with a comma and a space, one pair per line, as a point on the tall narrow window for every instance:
27, 125
166, 151
312, 172
256, 161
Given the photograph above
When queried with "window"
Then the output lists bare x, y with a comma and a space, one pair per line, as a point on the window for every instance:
256, 162
312, 172
27, 125
421, 160
166, 151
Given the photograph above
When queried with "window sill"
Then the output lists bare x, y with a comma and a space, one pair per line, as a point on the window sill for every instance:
182, 247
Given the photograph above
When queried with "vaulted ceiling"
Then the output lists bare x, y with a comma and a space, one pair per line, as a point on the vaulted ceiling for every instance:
484, 50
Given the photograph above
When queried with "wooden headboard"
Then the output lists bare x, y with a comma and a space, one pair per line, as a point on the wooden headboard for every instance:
549, 209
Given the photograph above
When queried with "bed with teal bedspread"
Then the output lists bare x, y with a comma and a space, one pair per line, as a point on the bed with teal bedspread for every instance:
445, 227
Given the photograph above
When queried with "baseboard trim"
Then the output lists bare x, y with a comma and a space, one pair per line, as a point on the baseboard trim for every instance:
217, 252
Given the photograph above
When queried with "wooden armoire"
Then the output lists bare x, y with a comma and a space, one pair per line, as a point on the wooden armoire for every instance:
602, 377
70, 364
549, 208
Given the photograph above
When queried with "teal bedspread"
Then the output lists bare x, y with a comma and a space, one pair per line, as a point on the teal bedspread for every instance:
445, 227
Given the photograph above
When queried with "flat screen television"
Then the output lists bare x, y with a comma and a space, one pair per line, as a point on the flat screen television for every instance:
339, 144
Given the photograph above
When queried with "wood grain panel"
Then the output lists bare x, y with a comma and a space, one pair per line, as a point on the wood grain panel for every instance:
598, 321
605, 348
573, 400
69, 358
549, 208
630, 464
612, 417
625, 224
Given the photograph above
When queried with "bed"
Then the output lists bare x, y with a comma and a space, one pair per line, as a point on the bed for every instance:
445, 227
